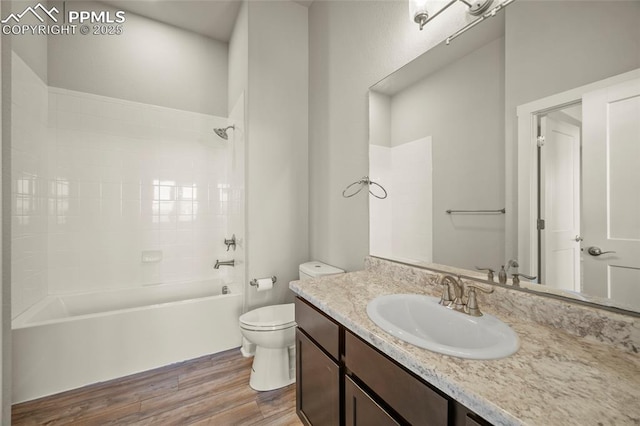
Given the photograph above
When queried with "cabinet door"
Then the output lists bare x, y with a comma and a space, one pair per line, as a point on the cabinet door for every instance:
407, 395
361, 410
462, 416
318, 384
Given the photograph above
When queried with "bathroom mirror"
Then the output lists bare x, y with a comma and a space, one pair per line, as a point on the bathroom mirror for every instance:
453, 139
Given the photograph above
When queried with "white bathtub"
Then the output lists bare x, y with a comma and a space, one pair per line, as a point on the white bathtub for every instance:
68, 341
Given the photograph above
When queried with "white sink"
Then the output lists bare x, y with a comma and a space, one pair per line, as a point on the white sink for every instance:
421, 321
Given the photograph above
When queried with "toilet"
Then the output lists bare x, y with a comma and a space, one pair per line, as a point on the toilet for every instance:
272, 330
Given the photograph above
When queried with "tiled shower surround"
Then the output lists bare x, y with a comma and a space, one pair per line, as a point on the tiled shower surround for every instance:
97, 181
406, 172
29, 180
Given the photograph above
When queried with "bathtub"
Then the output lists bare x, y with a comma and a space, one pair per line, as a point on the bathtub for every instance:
68, 341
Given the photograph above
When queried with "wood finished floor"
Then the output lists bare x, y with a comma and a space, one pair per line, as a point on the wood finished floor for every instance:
212, 390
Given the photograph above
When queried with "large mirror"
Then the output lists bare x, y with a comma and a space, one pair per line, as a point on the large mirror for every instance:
519, 145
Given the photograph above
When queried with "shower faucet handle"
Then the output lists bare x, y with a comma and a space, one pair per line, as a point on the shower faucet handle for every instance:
231, 242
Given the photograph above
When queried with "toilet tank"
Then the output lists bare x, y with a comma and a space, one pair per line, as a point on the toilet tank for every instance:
315, 269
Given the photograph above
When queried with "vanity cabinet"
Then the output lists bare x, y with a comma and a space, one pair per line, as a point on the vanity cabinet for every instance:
342, 380
362, 410
392, 383
318, 373
318, 384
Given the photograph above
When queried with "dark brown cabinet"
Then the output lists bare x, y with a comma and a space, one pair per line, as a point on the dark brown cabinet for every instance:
318, 388
318, 372
361, 410
342, 380
393, 383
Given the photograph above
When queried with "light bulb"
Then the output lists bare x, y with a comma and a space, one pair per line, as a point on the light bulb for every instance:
418, 11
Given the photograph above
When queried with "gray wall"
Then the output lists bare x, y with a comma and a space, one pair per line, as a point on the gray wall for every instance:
238, 58
269, 61
379, 119
31, 48
464, 115
352, 45
277, 161
178, 69
5, 220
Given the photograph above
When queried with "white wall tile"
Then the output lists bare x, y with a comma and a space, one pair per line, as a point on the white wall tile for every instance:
29, 187
97, 180
146, 170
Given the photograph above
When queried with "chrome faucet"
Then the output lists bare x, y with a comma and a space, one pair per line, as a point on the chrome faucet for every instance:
458, 304
224, 263
458, 290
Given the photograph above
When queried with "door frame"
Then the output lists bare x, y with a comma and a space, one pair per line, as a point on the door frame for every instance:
527, 145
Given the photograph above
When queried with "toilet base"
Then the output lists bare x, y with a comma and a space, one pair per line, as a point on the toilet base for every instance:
272, 368
247, 349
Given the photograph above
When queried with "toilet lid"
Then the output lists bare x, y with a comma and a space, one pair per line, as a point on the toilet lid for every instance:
270, 317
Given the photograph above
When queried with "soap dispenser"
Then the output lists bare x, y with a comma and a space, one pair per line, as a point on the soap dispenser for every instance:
502, 276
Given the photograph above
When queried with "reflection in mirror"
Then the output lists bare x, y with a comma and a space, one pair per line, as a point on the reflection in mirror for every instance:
580, 192
558, 153
442, 149
444, 135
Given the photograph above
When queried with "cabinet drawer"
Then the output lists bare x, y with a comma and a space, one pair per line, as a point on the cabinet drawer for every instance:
393, 385
361, 410
319, 327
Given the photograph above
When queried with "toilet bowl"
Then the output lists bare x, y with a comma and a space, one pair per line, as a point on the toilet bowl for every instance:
272, 331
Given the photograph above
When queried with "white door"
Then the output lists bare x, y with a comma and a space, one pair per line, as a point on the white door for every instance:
611, 193
560, 204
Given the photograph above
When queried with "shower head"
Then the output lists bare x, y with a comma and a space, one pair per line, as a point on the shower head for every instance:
223, 132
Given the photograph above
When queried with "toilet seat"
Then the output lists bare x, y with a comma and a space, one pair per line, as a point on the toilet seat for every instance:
267, 328
269, 318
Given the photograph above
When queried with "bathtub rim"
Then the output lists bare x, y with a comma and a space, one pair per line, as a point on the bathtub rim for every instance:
24, 319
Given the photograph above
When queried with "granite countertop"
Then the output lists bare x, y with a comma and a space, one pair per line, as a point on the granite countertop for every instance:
554, 379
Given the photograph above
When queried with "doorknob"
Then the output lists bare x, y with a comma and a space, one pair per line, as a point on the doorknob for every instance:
596, 251
578, 238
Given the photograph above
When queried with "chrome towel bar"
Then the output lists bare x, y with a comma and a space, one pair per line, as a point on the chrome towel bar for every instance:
500, 211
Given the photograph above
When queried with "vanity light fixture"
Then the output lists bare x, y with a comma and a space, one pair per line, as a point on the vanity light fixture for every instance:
479, 8
423, 11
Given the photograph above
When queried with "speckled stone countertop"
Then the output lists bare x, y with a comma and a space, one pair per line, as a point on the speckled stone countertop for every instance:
555, 378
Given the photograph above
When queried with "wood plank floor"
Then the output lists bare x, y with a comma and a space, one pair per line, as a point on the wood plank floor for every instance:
212, 390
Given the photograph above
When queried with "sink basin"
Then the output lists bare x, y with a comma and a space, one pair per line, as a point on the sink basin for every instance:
421, 321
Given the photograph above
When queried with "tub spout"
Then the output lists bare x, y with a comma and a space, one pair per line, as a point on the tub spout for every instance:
224, 263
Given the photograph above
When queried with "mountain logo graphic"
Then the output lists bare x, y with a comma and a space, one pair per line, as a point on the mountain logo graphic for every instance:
34, 11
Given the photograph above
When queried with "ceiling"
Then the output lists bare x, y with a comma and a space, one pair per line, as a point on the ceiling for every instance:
211, 18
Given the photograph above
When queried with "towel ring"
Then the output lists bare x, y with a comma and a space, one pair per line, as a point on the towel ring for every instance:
365, 181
